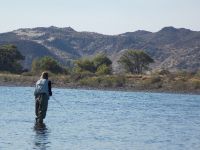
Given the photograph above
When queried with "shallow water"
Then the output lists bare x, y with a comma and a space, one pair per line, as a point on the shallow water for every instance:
100, 120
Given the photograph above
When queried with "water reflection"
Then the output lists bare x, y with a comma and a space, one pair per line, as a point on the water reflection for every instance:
41, 141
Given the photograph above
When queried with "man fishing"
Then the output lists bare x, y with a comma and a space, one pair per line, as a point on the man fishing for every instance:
42, 93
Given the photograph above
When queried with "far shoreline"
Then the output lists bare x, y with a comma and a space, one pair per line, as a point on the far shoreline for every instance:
116, 89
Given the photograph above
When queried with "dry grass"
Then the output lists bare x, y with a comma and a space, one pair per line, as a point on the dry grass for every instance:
167, 82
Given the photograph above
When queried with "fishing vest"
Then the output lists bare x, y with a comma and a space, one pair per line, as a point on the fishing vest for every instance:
42, 87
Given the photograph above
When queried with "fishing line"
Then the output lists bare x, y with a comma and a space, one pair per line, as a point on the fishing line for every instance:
59, 104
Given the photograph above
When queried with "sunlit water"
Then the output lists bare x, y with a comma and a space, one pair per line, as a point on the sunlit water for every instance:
100, 120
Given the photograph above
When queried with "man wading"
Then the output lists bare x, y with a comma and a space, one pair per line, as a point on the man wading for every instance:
42, 93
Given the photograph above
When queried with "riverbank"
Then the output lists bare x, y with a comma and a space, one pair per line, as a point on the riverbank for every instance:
172, 83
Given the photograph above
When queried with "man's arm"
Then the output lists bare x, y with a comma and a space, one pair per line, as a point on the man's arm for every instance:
49, 88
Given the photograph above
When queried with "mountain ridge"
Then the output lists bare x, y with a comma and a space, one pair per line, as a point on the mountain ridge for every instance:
172, 48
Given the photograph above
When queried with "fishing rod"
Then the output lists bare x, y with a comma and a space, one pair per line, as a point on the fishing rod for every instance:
59, 103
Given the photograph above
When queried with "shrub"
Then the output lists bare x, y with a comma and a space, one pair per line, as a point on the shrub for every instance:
84, 65
47, 63
10, 59
103, 70
100, 65
101, 59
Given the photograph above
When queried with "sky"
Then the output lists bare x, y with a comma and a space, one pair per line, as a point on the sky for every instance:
103, 16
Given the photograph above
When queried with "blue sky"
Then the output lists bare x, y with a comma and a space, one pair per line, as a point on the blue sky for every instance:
102, 16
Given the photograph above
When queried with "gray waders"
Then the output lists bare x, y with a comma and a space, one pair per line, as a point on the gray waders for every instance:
41, 104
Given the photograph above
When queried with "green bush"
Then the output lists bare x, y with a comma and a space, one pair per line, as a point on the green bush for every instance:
100, 65
10, 59
84, 65
101, 59
103, 70
47, 63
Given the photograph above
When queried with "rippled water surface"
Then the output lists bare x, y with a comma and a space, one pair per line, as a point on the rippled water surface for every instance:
100, 120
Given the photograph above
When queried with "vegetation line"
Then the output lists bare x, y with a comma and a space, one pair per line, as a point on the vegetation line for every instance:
134, 73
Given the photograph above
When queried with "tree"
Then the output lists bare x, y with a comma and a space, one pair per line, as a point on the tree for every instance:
47, 63
84, 65
103, 70
135, 61
10, 59
101, 59
100, 63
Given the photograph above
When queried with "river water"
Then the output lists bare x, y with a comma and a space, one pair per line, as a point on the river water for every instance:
100, 120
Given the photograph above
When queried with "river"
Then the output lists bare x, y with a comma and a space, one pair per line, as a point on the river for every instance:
100, 120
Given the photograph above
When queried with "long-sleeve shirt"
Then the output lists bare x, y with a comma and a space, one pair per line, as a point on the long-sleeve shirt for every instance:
43, 86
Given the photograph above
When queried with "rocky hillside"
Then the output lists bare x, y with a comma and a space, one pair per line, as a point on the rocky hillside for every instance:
170, 47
